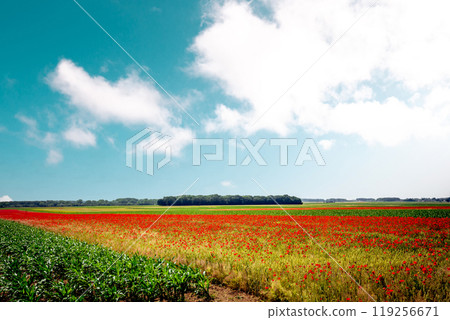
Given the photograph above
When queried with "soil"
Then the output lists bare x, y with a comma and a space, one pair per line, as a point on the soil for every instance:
224, 294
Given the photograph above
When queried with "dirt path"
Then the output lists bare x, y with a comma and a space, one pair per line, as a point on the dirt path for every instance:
221, 293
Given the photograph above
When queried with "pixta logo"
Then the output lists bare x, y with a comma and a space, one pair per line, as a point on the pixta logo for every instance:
308, 151
143, 146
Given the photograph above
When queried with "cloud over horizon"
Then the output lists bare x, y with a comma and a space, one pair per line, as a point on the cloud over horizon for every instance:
5, 198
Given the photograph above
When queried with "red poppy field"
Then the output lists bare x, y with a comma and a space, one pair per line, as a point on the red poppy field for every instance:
363, 254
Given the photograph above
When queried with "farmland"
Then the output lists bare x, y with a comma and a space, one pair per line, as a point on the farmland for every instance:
36, 265
395, 251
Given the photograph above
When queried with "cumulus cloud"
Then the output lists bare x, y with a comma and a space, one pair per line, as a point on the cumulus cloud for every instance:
80, 137
128, 101
365, 85
5, 198
54, 157
226, 120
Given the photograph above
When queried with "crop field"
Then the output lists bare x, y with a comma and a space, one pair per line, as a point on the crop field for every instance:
351, 252
36, 265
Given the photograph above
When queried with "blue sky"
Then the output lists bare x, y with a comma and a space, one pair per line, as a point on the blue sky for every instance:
369, 85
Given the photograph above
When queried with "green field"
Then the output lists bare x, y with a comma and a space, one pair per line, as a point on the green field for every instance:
443, 211
36, 265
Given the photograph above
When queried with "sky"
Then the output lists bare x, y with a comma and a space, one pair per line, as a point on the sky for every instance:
367, 82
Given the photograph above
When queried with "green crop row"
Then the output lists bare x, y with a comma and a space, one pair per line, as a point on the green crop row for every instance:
237, 210
37, 265
417, 213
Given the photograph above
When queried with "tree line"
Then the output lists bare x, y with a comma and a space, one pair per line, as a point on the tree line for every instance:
385, 199
215, 199
190, 200
79, 203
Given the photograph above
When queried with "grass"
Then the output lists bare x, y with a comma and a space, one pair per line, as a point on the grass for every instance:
303, 210
36, 265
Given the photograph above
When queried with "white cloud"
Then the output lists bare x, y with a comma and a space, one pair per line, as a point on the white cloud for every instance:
33, 132
326, 144
5, 198
49, 138
226, 183
226, 120
43, 139
30, 122
80, 137
111, 141
54, 157
363, 85
128, 101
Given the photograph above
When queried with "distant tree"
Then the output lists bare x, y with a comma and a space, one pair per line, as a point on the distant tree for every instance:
388, 199
365, 199
215, 199
71, 203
